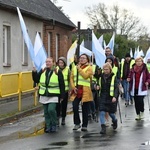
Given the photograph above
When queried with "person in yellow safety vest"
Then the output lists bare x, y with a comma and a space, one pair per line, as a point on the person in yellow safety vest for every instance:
51, 86
148, 64
62, 107
126, 65
108, 87
116, 71
81, 91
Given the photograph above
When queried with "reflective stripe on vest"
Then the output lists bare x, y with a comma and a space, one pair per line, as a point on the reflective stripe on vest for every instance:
111, 85
115, 70
122, 64
81, 80
53, 86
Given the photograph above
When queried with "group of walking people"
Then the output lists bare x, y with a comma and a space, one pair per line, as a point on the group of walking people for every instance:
94, 89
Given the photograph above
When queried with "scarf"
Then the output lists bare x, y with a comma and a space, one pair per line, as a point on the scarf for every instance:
138, 69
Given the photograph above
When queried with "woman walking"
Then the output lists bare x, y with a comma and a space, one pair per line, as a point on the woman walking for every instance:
108, 96
51, 86
139, 79
81, 91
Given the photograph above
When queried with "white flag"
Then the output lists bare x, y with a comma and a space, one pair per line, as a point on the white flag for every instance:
40, 53
25, 35
71, 53
98, 51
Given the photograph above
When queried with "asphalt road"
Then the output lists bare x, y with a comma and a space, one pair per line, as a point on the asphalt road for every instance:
130, 134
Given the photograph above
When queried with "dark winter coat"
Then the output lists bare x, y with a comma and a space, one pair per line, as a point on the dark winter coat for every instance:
105, 100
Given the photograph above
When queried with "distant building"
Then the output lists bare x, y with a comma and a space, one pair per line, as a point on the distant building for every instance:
39, 15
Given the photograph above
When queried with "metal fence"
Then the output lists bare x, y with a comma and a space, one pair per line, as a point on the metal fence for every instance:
12, 84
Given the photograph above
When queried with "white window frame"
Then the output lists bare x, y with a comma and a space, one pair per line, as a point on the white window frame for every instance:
24, 54
57, 46
6, 45
49, 43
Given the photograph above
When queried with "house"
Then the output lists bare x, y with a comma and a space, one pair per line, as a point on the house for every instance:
40, 16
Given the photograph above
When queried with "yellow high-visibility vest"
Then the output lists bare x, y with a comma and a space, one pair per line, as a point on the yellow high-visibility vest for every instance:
148, 67
111, 85
65, 74
81, 80
53, 86
115, 70
122, 64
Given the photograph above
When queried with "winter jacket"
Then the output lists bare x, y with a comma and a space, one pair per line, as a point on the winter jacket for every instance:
145, 78
87, 93
105, 100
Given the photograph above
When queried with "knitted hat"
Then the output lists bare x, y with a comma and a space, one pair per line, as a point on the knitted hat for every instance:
127, 55
63, 59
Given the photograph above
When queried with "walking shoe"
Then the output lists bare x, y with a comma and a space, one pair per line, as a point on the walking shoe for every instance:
141, 115
138, 117
94, 115
103, 129
76, 127
84, 129
131, 101
114, 124
107, 123
89, 117
63, 121
47, 130
126, 103
53, 129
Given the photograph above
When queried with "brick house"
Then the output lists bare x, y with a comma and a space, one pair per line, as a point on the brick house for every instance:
40, 16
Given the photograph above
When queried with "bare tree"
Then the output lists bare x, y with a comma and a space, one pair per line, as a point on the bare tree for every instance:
122, 21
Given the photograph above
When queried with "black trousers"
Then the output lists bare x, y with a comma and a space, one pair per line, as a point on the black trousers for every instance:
139, 104
76, 116
61, 107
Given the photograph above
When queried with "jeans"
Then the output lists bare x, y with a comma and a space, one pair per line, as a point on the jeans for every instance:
102, 116
125, 85
76, 116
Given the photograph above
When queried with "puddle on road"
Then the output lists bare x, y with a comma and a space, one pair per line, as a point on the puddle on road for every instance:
59, 143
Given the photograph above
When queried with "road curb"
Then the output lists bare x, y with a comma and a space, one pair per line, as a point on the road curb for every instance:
20, 115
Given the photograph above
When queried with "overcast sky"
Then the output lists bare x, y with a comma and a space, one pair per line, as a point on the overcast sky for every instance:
76, 9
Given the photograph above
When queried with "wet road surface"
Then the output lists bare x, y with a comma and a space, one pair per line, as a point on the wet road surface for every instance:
130, 135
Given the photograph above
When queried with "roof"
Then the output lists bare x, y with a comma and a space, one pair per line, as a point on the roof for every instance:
42, 9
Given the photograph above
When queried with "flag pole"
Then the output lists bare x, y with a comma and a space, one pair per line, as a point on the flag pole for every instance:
78, 49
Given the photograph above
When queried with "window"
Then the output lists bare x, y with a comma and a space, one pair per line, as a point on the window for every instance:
6, 46
57, 46
24, 54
